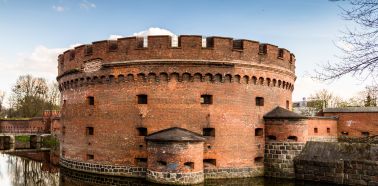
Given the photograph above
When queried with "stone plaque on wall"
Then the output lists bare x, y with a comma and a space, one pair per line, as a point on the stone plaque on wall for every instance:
92, 66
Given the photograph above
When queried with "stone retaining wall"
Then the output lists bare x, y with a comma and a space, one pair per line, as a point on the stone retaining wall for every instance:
323, 138
222, 173
279, 158
104, 169
175, 178
141, 172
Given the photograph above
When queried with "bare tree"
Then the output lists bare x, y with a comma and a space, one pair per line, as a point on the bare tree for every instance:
321, 99
31, 96
359, 45
53, 96
2, 95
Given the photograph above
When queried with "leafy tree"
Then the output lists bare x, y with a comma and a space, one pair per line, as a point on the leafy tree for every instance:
359, 45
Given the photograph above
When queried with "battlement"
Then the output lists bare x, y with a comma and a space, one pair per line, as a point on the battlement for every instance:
189, 47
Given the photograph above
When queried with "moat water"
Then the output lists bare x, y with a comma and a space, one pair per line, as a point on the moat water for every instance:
30, 167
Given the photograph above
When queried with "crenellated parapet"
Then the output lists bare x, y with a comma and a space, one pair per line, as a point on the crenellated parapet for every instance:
189, 47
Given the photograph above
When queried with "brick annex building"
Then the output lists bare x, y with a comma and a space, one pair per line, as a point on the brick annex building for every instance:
179, 115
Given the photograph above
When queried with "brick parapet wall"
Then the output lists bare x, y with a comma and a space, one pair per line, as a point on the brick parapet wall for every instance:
279, 158
190, 47
115, 170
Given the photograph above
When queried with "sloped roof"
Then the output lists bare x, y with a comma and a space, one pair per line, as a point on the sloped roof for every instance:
175, 134
281, 113
351, 109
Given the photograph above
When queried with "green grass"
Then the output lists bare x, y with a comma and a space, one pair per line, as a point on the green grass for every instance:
23, 138
50, 142
15, 119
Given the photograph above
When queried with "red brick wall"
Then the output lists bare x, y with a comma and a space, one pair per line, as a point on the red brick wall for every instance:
159, 47
173, 103
325, 127
355, 123
31, 125
283, 128
175, 155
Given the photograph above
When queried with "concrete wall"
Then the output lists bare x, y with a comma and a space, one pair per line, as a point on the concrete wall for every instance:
341, 163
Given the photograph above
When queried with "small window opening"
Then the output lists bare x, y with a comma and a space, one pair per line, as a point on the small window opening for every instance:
280, 53
287, 104
209, 147
189, 165
259, 160
328, 130
262, 49
90, 100
259, 101
142, 131
142, 99
113, 46
206, 99
209, 132
63, 130
365, 134
63, 153
90, 156
161, 163
140, 42
272, 138
259, 132
237, 44
209, 162
292, 138
209, 42
315, 130
88, 50
344, 133
72, 55
90, 131
140, 146
141, 162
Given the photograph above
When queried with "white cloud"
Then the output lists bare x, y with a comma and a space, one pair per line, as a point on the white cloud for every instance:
114, 37
86, 5
155, 31
41, 62
58, 8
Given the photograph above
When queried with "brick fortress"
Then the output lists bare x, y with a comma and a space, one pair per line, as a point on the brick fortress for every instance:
179, 115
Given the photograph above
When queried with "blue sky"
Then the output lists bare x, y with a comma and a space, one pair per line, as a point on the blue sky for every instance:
33, 32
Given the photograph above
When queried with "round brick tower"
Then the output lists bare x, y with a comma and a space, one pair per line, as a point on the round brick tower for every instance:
115, 93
